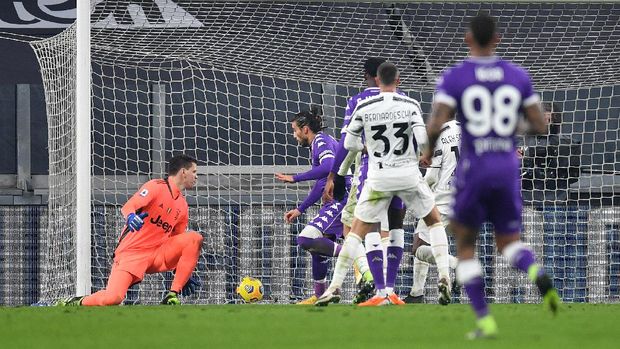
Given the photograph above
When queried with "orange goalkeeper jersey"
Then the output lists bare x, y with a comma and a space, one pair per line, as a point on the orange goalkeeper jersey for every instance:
167, 216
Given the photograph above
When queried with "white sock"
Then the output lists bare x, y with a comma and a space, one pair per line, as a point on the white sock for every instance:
468, 270
439, 245
349, 250
389, 290
360, 260
425, 253
420, 271
385, 242
453, 261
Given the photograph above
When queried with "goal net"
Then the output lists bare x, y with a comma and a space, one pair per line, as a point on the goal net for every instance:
220, 80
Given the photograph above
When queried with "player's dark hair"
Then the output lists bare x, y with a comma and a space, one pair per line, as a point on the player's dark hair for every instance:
372, 64
177, 162
387, 73
311, 118
483, 26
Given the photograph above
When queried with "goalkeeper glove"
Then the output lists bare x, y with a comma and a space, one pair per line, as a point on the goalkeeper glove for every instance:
191, 286
340, 188
136, 221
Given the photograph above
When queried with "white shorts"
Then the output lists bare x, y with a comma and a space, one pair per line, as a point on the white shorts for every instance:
348, 212
372, 204
422, 229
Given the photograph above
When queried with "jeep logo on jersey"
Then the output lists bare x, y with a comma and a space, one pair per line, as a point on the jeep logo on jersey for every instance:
167, 227
141, 14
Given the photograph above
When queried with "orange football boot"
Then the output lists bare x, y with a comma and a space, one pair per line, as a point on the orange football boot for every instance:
375, 301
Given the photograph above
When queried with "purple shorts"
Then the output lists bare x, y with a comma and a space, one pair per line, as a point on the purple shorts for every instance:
489, 197
328, 220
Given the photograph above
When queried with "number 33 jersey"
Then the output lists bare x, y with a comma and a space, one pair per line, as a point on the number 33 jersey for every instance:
393, 128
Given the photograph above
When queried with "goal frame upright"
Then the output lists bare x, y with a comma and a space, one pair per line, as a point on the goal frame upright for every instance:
83, 150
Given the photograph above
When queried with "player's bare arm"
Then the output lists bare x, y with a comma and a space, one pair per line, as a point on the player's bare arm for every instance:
534, 115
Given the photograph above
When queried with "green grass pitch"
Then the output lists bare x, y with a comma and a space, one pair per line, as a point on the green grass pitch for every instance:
288, 326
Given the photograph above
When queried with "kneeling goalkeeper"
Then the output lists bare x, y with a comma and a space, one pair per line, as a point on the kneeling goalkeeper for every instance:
154, 239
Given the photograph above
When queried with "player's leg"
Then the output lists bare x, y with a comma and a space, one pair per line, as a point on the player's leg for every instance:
469, 212
421, 247
360, 267
359, 230
126, 271
364, 279
394, 253
505, 215
385, 242
422, 202
420, 267
521, 257
371, 207
469, 274
312, 240
319, 276
119, 282
318, 238
319, 270
439, 248
180, 252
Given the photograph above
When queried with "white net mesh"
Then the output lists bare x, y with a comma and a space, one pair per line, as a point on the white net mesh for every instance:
219, 80
57, 59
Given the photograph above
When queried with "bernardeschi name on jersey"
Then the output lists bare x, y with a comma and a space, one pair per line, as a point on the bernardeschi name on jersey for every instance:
390, 123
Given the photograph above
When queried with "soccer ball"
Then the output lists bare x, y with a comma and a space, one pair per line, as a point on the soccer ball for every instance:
250, 290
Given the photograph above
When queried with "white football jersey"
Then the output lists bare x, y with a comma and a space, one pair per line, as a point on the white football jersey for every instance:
393, 129
440, 175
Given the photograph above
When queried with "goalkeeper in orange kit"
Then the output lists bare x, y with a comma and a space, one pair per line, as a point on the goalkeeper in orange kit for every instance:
154, 239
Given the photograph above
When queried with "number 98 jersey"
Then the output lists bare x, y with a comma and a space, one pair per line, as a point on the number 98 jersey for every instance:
393, 129
489, 95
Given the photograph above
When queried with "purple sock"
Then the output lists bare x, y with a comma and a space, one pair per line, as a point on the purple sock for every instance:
319, 273
338, 248
322, 246
375, 262
475, 292
394, 256
319, 266
524, 259
319, 287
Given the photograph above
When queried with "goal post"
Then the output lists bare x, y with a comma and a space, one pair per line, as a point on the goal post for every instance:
220, 81
83, 150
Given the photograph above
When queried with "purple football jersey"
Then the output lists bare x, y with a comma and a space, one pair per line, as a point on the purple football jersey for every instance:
351, 105
327, 221
323, 146
489, 95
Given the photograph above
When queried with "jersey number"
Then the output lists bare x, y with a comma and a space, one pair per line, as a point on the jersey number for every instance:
455, 150
485, 111
400, 133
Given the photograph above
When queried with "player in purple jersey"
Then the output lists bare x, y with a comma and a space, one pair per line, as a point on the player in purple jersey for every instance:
320, 233
488, 95
397, 209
